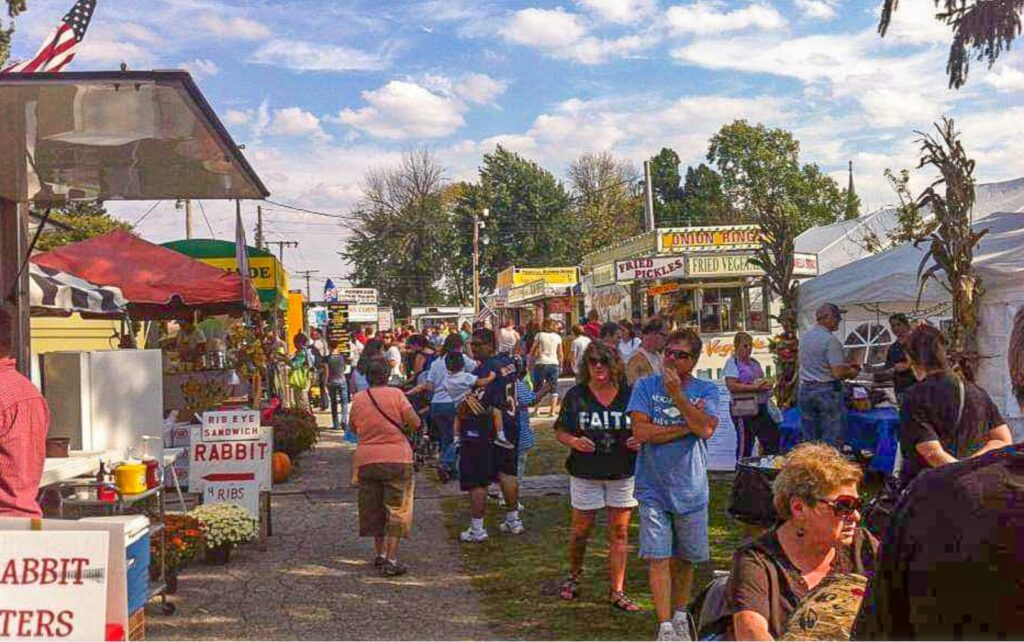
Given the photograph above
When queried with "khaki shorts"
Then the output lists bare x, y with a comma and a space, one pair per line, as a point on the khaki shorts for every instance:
385, 500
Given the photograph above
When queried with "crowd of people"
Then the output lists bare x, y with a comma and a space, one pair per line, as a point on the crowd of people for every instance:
635, 425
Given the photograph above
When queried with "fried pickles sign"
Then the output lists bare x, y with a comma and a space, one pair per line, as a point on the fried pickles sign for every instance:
650, 268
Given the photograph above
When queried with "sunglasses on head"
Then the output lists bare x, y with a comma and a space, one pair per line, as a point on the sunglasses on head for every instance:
679, 354
844, 505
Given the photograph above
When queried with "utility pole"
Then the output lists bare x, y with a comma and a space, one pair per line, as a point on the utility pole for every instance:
648, 198
187, 204
477, 224
307, 274
259, 227
280, 248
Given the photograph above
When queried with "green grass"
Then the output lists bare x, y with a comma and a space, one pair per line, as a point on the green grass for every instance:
518, 578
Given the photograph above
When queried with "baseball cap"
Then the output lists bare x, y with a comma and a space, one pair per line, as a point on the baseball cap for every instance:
830, 308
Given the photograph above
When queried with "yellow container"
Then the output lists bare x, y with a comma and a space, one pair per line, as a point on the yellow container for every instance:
130, 478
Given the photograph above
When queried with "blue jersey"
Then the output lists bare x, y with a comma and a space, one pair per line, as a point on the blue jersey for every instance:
501, 393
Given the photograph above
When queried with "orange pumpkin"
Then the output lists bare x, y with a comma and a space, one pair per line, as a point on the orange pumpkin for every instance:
281, 465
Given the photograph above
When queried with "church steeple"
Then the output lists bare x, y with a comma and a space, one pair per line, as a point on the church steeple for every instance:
852, 202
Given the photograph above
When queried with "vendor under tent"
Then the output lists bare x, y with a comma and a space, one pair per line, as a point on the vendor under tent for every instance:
53, 292
874, 287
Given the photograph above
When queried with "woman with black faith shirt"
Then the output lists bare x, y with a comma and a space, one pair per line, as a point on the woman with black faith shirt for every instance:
594, 425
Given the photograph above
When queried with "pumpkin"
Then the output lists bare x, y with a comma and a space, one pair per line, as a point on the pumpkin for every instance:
281, 465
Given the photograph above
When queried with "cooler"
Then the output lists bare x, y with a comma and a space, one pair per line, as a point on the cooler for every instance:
137, 556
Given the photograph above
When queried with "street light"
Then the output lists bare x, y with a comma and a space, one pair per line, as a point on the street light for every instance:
477, 224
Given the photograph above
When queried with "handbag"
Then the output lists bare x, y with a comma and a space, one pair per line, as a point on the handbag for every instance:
744, 404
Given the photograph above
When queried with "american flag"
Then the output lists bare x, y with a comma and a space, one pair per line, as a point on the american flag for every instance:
61, 45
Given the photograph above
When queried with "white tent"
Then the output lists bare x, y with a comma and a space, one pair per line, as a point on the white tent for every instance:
874, 287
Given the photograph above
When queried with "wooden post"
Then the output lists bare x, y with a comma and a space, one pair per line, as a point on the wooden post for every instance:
14, 288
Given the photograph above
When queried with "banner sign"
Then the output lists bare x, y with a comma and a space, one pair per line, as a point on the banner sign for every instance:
262, 270
603, 275
526, 292
805, 264
230, 425
385, 319
704, 265
53, 584
241, 459
243, 492
513, 277
337, 325
721, 237
357, 295
650, 268
362, 313
560, 306
666, 288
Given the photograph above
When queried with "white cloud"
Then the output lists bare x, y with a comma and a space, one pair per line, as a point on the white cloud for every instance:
314, 56
817, 9
401, 110
480, 89
709, 17
915, 24
294, 121
563, 35
1006, 78
98, 51
201, 67
237, 28
237, 117
620, 11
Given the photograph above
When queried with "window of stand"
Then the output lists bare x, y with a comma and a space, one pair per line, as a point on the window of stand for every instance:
723, 307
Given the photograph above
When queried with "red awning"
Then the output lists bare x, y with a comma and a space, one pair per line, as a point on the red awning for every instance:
156, 281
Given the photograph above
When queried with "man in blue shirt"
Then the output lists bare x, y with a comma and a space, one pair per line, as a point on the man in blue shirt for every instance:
673, 415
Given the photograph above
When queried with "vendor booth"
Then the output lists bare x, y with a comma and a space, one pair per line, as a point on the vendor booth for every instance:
873, 288
533, 294
265, 270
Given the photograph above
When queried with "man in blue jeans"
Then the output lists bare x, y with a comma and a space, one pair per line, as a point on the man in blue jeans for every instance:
673, 415
822, 370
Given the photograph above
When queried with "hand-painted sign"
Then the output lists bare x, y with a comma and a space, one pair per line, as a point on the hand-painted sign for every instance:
231, 425
665, 288
362, 313
248, 456
650, 268
722, 237
241, 489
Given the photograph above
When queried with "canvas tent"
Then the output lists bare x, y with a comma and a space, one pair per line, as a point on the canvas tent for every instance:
874, 287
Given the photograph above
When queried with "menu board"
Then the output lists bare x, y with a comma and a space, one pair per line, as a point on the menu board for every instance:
337, 326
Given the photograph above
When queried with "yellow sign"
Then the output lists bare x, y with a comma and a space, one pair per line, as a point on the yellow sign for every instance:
663, 289
723, 237
263, 270
507, 278
514, 277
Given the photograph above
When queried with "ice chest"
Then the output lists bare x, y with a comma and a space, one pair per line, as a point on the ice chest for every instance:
137, 556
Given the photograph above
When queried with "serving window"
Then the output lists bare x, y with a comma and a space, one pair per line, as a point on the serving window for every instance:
719, 308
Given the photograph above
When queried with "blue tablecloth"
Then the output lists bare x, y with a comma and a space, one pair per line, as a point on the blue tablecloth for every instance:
875, 430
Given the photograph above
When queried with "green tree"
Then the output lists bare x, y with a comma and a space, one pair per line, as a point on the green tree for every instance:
530, 223
665, 183
397, 242
79, 220
910, 224
981, 28
703, 202
764, 180
14, 7
605, 204
461, 201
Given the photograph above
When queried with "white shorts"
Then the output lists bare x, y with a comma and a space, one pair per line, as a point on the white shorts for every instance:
595, 494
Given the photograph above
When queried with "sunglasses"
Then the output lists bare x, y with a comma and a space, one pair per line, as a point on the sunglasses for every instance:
844, 505
679, 354
599, 361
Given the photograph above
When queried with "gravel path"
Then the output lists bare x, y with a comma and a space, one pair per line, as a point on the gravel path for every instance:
316, 581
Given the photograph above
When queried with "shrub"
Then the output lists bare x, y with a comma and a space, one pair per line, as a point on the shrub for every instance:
295, 431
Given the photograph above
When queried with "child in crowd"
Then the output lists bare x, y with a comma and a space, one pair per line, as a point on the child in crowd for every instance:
460, 383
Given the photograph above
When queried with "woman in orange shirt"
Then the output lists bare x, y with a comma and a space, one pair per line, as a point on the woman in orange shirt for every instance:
381, 417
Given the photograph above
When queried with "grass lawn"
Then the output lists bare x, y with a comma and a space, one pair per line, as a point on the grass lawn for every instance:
518, 577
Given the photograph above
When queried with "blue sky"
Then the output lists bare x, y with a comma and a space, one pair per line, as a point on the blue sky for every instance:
321, 91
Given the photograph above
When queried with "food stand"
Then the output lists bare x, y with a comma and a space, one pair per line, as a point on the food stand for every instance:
525, 294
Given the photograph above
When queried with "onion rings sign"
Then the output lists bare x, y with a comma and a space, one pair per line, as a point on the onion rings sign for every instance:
650, 268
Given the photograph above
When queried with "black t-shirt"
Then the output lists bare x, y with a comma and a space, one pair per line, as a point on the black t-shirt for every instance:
929, 413
901, 380
951, 565
582, 415
501, 393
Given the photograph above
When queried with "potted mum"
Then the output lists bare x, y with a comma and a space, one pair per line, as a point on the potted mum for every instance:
225, 526
184, 538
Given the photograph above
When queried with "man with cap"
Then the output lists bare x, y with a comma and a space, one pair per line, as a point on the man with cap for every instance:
822, 370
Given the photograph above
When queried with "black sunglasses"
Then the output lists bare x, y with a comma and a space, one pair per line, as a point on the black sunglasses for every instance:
844, 505
679, 354
599, 361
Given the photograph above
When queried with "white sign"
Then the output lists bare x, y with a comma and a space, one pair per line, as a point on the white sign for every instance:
229, 460
363, 313
805, 264
721, 265
53, 585
231, 425
245, 493
385, 319
650, 268
357, 295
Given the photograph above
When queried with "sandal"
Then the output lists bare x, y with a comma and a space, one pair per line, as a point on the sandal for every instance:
619, 600
570, 588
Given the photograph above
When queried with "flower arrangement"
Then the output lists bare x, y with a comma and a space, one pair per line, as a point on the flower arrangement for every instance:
295, 431
248, 355
184, 537
225, 525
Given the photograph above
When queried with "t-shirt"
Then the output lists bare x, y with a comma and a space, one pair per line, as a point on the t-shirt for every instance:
642, 364
628, 348
766, 581
579, 346
394, 357
951, 566
336, 368
507, 340
439, 372
745, 372
593, 329
547, 354
583, 415
901, 380
672, 477
459, 384
929, 413
524, 398
819, 351
501, 393
380, 441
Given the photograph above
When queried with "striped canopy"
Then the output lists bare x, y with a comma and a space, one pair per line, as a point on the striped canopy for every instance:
55, 292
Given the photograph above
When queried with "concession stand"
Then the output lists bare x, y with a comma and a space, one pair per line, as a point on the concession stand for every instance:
534, 294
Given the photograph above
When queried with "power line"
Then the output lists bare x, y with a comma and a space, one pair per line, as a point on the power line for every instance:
205, 218
148, 212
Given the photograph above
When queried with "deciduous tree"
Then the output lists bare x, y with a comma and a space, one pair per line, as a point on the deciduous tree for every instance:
606, 206
80, 220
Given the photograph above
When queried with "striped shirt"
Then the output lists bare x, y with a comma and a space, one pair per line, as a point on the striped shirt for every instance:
525, 397
24, 420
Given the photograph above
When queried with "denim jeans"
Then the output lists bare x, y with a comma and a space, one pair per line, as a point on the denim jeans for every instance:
443, 416
338, 392
822, 413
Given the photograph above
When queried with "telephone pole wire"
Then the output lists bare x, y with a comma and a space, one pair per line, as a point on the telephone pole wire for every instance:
280, 248
307, 274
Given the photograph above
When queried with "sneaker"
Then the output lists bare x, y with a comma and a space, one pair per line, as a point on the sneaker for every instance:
683, 624
393, 569
667, 633
512, 528
473, 537
379, 561
501, 442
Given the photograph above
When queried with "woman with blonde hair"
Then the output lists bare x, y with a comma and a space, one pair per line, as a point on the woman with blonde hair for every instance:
817, 499
751, 392
547, 360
